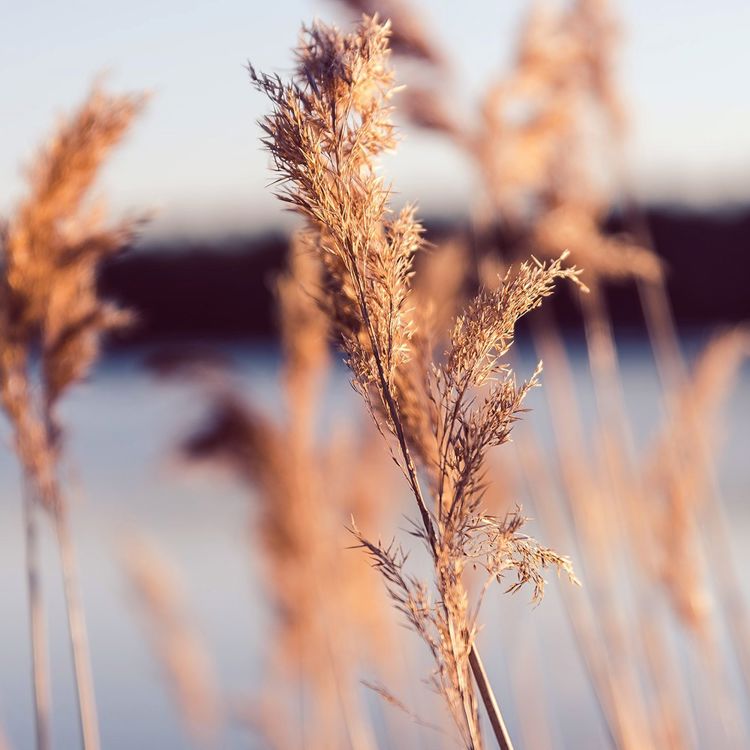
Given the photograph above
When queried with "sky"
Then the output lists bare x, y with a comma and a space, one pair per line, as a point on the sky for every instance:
194, 158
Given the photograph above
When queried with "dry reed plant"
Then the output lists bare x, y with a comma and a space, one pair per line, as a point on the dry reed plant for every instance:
328, 126
51, 248
326, 613
539, 131
175, 639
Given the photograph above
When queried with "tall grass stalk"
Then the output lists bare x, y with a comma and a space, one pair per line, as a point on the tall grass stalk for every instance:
78, 636
49, 309
327, 128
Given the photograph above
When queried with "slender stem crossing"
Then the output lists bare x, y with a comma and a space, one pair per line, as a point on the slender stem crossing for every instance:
78, 636
37, 627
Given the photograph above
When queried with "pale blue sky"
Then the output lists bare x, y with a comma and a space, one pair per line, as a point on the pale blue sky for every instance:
194, 156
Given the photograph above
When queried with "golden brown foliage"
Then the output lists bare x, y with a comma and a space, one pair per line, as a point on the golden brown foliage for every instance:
51, 249
50, 253
327, 127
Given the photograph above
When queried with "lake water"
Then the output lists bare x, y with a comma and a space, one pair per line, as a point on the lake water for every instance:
123, 426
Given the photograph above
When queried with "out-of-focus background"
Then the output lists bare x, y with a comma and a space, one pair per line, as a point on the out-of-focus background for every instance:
201, 273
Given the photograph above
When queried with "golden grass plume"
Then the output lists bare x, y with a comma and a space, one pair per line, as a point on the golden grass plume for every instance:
327, 127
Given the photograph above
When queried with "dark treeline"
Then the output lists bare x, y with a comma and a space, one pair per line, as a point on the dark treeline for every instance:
223, 289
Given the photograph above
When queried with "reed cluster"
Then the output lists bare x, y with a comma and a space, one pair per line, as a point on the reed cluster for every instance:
328, 127
51, 322
427, 333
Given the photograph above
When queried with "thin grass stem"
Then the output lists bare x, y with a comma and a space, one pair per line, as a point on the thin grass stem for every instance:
490, 702
485, 689
37, 627
78, 636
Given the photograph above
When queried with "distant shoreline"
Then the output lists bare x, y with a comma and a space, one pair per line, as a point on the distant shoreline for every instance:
222, 289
